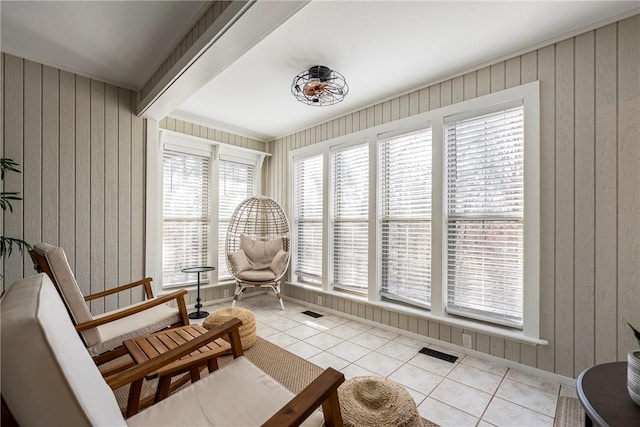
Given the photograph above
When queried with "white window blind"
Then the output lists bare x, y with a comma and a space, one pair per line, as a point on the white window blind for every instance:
485, 199
307, 201
405, 176
185, 213
236, 184
350, 181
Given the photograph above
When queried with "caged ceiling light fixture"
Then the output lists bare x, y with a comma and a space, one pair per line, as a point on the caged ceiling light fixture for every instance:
319, 85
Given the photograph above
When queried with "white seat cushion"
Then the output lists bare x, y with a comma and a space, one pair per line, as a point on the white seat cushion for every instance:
145, 322
48, 378
239, 394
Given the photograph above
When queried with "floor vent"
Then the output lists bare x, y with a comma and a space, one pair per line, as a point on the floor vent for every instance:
438, 354
312, 314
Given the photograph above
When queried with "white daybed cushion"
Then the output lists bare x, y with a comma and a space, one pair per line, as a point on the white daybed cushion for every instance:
146, 322
48, 378
239, 394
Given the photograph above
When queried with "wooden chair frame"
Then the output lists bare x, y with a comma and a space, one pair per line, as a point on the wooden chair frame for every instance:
323, 391
42, 266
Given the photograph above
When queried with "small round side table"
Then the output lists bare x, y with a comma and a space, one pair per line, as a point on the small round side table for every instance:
198, 314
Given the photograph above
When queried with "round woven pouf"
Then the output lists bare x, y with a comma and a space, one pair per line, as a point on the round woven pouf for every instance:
377, 401
247, 330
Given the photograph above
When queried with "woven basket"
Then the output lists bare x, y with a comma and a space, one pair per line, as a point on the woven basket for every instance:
247, 330
377, 401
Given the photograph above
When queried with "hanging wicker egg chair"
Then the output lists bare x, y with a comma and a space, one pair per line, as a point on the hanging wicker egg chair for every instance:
257, 245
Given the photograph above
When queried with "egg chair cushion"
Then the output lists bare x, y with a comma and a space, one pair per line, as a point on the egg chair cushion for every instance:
279, 262
260, 253
265, 275
239, 262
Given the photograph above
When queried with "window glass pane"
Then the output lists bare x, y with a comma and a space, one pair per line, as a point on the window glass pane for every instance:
185, 213
350, 182
236, 184
405, 176
485, 200
485, 269
308, 192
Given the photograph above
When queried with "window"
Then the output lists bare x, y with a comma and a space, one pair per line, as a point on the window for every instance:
236, 183
405, 210
307, 219
193, 187
485, 200
185, 214
350, 181
439, 211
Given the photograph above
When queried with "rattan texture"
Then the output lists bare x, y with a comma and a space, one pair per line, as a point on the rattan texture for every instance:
260, 218
247, 330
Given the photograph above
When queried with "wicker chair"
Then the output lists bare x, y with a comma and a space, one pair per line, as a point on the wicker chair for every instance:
257, 245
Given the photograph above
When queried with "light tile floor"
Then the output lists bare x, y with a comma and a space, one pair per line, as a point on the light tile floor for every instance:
469, 392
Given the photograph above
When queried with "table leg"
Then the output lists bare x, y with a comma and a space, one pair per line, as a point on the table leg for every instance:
164, 385
587, 421
198, 305
195, 373
133, 404
213, 364
198, 314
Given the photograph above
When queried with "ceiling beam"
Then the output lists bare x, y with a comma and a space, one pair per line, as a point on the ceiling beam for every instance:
245, 25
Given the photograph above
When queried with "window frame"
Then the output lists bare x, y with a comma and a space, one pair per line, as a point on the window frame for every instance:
381, 138
488, 218
331, 212
225, 156
295, 221
202, 152
530, 95
176, 141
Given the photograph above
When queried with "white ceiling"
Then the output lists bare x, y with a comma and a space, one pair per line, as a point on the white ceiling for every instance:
383, 48
120, 42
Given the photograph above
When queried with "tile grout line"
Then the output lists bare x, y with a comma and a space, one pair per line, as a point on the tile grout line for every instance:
406, 362
493, 396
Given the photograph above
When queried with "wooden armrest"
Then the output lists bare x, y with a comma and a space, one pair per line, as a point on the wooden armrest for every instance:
139, 371
146, 282
322, 391
177, 295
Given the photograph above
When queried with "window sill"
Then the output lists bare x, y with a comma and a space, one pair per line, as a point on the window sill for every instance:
497, 331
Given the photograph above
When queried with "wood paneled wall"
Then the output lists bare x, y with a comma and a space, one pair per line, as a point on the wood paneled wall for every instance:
213, 134
81, 152
590, 194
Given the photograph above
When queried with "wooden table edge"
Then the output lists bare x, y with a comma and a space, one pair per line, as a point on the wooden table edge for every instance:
183, 364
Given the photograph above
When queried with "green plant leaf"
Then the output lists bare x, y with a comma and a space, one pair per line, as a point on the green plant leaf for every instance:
7, 165
7, 243
5, 196
635, 332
